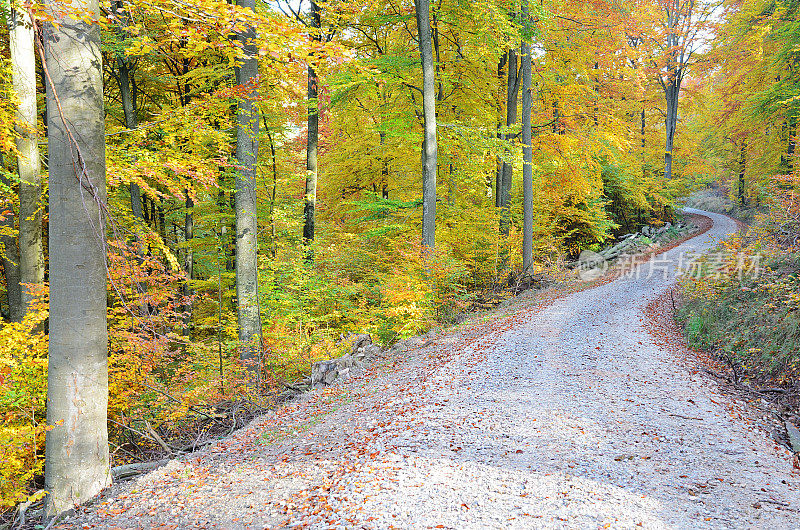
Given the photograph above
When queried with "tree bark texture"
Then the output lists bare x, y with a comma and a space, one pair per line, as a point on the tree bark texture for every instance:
188, 262
249, 315
512, 96
310, 202
128, 95
76, 459
742, 166
429, 112
791, 142
498, 179
671, 91
23, 63
527, 153
678, 22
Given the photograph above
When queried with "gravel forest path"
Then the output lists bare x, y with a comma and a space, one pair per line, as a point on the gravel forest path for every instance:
562, 414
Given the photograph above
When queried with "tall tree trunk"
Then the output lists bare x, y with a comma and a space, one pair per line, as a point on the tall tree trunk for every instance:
384, 167
76, 458
527, 152
162, 224
273, 249
188, 263
512, 95
792, 141
671, 91
310, 202
128, 95
596, 92
498, 179
10, 261
23, 65
742, 166
437, 56
247, 126
429, 112
556, 117
642, 124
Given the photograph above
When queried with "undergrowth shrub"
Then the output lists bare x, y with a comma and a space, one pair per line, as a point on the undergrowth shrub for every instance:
23, 398
745, 305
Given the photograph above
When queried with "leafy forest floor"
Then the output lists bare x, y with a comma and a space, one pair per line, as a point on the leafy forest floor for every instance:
570, 407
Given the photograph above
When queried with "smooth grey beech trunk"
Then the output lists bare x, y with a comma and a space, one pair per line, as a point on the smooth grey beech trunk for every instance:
312, 142
23, 68
527, 153
247, 125
76, 458
429, 149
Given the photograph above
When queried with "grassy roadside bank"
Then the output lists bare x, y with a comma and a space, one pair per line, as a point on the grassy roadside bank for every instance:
741, 309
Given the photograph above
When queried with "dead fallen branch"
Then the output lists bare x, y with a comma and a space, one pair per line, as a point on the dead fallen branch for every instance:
131, 470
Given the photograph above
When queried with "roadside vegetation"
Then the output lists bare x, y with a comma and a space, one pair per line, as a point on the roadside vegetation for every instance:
742, 303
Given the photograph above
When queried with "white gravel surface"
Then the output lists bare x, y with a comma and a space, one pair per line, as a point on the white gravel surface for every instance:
577, 419
566, 416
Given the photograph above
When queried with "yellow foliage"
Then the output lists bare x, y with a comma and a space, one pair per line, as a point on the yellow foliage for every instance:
23, 394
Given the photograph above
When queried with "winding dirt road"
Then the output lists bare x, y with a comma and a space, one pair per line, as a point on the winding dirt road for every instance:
567, 414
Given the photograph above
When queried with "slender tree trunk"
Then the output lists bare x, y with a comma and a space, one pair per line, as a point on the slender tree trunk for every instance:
527, 152
512, 96
10, 261
273, 194
23, 64
128, 95
145, 210
246, 202
671, 91
742, 166
76, 458
642, 132
498, 179
429, 112
437, 56
384, 167
188, 263
556, 117
310, 202
792, 141
162, 223
596, 93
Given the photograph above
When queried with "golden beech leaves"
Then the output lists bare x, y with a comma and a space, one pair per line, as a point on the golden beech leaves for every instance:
23, 387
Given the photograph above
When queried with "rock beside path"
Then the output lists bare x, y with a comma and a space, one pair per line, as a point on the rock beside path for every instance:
362, 351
